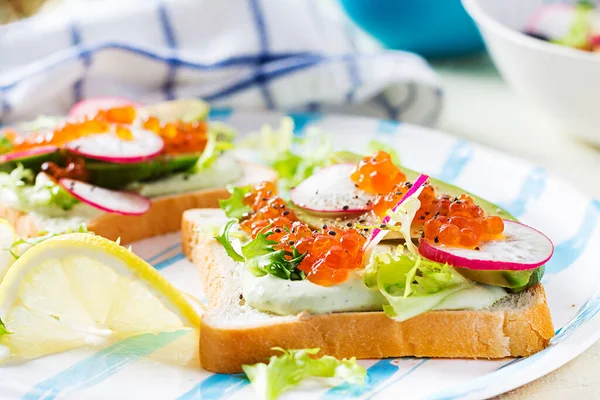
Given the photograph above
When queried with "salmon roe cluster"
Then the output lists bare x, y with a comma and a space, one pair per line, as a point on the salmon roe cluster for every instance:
459, 222
451, 221
267, 209
330, 252
377, 174
178, 137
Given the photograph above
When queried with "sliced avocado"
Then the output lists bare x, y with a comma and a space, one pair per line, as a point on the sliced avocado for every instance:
116, 176
446, 188
516, 281
32, 162
186, 110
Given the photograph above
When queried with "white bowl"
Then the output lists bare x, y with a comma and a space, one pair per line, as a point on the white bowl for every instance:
563, 82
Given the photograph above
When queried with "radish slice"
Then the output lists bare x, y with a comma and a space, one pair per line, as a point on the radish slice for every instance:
378, 234
92, 105
36, 151
112, 201
331, 192
110, 148
522, 248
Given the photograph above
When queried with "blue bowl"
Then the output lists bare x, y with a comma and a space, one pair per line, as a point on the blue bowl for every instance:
432, 28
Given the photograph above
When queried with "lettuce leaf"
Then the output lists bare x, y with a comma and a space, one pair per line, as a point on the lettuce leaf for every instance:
3, 330
33, 193
410, 284
234, 206
220, 137
261, 258
284, 372
225, 241
20, 246
293, 158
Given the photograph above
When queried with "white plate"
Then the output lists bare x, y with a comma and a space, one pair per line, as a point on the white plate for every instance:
569, 218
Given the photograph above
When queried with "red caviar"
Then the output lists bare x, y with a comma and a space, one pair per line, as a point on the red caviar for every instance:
179, 137
330, 252
450, 221
377, 174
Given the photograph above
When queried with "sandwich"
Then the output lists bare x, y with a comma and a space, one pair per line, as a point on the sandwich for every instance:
366, 259
124, 170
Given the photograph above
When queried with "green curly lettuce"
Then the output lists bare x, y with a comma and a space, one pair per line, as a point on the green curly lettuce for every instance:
33, 192
234, 206
260, 256
410, 284
20, 246
219, 139
294, 158
287, 370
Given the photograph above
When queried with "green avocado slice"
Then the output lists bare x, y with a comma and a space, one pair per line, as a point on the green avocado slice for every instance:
515, 281
117, 176
186, 110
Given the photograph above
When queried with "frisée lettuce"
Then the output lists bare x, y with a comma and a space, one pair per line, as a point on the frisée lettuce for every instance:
410, 284
33, 192
285, 371
261, 258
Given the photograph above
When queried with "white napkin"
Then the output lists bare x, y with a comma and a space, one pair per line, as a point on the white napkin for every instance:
276, 54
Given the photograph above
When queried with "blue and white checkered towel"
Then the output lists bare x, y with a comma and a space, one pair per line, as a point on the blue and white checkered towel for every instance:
284, 54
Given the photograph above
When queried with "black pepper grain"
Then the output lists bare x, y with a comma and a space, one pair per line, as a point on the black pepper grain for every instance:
332, 233
436, 239
345, 208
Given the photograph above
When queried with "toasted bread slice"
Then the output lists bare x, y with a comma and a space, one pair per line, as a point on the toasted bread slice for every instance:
163, 217
234, 333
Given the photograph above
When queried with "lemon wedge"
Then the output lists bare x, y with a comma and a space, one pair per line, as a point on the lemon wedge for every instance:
79, 290
7, 238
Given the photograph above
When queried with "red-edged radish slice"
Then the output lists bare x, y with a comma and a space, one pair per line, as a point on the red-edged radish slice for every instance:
110, 148
92, 105
112, 201
377, 235
35, 151
331, 192
522, 248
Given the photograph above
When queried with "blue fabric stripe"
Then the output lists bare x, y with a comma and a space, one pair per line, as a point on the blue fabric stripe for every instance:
432, 115
532, 189
247, 60
461, 154
567, 252
265, 76
165, 251
379, 376
76, 41
102, 365
410, 99
169, 261
171, 42
263, 39
382, 101
4, 105
216, 386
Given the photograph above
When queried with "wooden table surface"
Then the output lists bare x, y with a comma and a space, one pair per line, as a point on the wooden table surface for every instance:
480, 107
